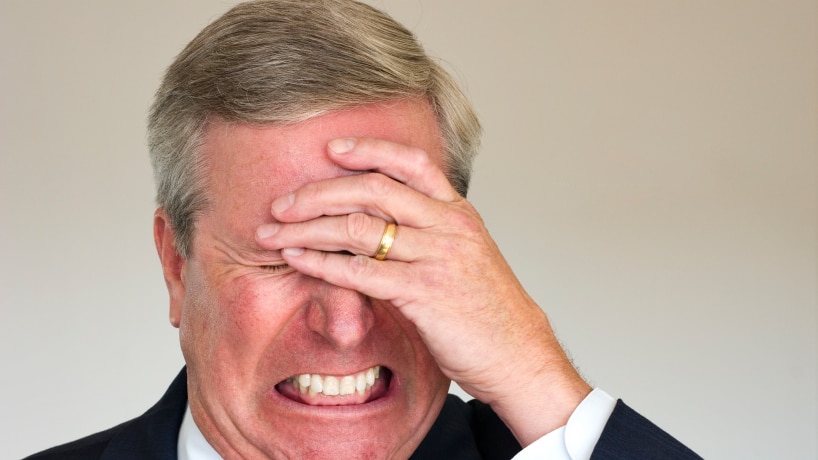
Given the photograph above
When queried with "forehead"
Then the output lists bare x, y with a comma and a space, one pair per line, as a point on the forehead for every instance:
249, 165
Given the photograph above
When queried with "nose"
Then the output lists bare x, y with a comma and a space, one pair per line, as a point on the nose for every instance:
342, 316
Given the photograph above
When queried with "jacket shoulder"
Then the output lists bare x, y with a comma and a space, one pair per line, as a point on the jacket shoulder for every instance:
154, 434
89, 447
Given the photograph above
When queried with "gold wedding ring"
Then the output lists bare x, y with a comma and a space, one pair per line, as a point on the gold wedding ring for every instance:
386, 241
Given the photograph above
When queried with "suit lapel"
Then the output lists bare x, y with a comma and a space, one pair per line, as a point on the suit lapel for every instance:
155, 434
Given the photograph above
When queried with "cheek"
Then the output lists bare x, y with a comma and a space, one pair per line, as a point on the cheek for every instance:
235, 319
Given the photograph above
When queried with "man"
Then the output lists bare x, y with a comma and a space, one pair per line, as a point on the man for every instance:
328, 277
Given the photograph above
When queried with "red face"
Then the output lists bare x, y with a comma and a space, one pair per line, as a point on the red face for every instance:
281, 364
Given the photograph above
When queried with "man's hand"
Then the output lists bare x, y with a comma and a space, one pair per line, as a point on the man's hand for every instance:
444, 273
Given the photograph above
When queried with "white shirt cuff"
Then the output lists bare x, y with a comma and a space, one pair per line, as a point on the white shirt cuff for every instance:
577, 439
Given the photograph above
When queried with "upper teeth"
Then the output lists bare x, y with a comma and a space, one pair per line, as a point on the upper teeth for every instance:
330, 385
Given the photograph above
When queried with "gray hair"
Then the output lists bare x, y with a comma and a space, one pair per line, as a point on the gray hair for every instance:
282, 62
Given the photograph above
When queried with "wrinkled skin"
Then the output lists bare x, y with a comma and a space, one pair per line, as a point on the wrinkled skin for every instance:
280, 282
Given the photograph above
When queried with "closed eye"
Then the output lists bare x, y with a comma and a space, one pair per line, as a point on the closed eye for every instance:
275, 268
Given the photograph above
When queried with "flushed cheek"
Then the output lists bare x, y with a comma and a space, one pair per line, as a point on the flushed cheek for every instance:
227, 345
251, 313
232, 330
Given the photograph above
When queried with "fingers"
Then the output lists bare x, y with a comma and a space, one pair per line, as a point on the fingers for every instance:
357, 233
364, 274
374, 194
409, 185
409, 165
348, 213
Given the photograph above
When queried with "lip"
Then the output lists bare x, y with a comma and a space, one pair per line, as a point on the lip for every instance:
381, 404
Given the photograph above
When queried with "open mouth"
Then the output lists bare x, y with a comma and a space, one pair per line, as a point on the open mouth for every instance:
337, 390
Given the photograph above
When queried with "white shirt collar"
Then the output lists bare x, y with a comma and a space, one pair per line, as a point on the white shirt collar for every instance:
192, 445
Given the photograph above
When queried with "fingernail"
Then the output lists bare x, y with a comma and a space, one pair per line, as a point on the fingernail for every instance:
266, 231
281, 204
339, 146
292, 251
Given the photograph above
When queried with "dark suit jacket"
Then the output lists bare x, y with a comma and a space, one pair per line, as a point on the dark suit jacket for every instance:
463, 430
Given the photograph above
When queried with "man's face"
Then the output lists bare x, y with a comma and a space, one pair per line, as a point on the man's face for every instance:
252, 328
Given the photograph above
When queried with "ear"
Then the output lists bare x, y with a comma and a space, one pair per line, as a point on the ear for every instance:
173, 264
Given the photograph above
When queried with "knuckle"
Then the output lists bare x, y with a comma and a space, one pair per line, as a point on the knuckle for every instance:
435, 278
357, 226
466, 222
429, 278
360, 267
379, 184
419, 163
421, 159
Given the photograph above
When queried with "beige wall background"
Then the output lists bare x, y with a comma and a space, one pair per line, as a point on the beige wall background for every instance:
650, 169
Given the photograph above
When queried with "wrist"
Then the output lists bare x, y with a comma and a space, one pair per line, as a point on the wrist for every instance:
543, 403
